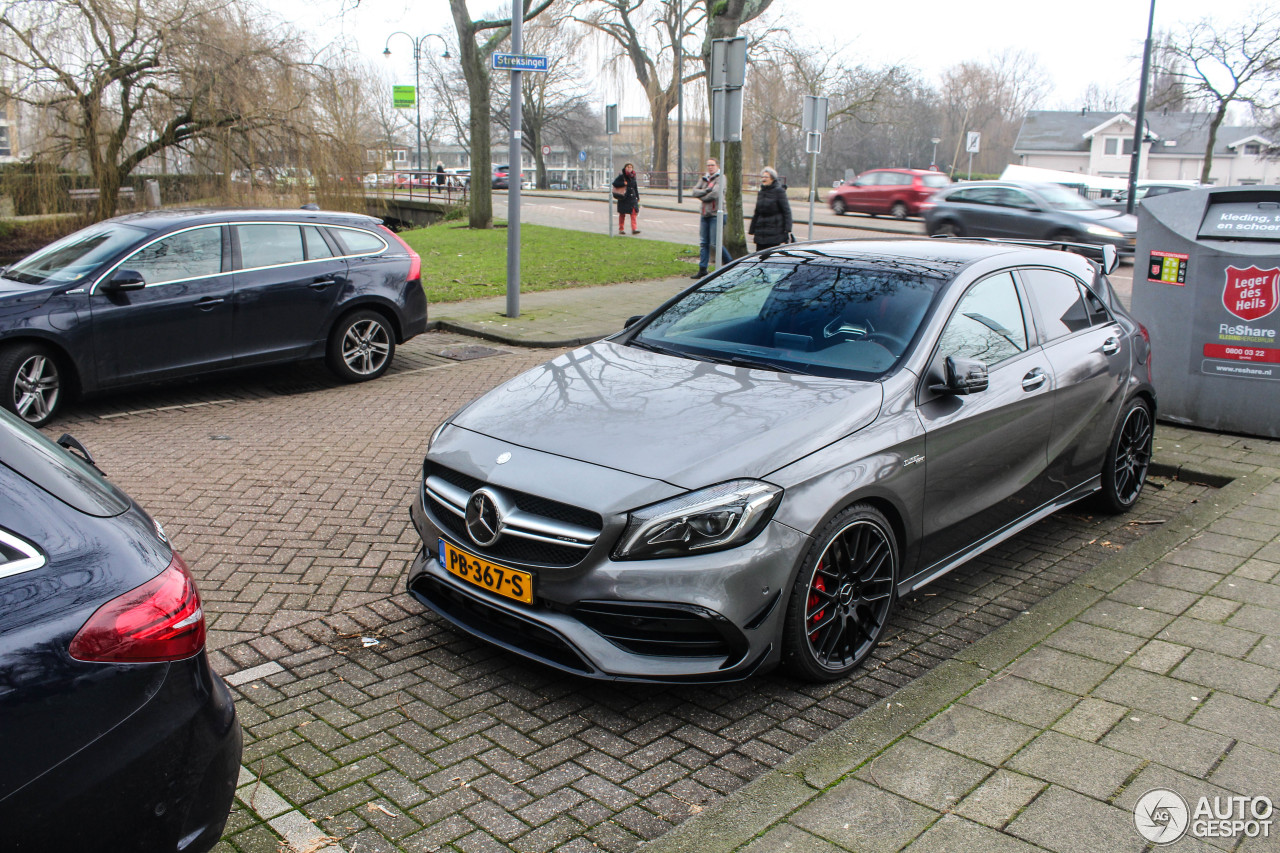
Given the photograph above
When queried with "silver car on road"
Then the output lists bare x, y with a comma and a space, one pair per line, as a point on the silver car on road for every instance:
751, 474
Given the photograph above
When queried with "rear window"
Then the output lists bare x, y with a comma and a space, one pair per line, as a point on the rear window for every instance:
268, 245
359, 242
68, 478
935, 181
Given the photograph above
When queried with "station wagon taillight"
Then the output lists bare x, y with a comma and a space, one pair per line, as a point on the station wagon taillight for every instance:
415, 261
161, 620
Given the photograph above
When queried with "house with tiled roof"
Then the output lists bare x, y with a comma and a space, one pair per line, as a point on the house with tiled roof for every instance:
1095, 142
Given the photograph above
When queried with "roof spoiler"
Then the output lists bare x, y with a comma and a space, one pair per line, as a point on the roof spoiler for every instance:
1106, 256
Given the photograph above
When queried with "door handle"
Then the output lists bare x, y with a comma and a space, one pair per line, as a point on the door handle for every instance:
320, 283
1110, 346
1034, 380
209, 302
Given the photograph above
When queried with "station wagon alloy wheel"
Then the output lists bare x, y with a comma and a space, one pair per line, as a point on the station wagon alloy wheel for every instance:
33, 382
846, 597
361, 347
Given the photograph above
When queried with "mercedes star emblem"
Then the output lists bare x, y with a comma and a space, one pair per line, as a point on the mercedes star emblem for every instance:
484, 518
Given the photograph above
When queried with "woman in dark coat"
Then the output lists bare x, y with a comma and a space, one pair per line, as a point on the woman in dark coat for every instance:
771, 222
627, 195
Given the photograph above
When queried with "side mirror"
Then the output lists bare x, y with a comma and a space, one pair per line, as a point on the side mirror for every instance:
126, 280
1110, 258
631, 321
963, 376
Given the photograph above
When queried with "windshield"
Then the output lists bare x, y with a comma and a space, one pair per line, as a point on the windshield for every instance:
823, 317
76, 255
1065, 199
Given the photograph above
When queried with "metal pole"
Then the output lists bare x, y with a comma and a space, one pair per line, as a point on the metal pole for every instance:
813, 188
513, 172
970, 166
1140, 124
417, 99
679, 120
720, 217
608, 185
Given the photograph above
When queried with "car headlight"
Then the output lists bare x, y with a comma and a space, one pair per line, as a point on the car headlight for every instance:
710, 519
1104, 231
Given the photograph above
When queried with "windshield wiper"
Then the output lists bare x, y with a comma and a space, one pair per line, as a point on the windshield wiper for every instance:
751, 363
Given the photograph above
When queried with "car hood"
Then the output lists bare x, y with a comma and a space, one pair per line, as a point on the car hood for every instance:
1117, 219
11, 290
690, 423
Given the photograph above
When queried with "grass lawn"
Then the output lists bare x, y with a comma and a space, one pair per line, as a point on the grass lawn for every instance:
459, 263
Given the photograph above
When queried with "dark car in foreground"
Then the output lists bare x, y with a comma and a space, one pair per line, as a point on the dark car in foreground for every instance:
166, 294
751, 474
1027, 211
894, 192
117, 734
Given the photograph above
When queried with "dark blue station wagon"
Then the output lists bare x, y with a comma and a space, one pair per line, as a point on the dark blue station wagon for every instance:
166, 294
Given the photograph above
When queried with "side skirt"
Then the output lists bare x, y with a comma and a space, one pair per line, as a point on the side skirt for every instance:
937, 570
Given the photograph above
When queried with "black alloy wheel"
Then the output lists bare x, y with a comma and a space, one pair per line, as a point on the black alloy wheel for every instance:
1128, 458
361, 346
33, 385
842, 599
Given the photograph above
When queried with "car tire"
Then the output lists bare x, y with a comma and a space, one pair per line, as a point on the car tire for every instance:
1063, 237
361, 346
843, 596
899, 210
34, 386
949, 229
1128, 458
839, 207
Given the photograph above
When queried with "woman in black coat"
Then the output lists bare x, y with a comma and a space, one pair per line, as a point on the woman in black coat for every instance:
627, 195
771, 222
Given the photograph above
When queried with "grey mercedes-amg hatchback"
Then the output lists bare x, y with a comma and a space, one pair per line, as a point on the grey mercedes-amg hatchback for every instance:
751, 474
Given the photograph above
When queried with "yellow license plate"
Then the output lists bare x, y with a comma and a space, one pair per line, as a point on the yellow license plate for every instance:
510, 583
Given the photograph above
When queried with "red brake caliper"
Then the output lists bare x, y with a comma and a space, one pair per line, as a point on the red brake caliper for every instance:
819, 585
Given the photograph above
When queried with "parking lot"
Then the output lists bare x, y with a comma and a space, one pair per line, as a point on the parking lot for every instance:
380, 728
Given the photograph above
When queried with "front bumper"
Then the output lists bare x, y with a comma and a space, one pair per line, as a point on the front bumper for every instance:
713, 617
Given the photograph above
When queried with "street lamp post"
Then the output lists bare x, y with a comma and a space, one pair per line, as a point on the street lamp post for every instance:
933, 161
417, 88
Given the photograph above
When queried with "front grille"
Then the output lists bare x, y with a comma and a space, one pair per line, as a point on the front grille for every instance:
539, 532
498, 625
508, 549
669, 630
532, 504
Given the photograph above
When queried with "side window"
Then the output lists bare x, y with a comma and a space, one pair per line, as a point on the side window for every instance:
189, 254
871, 179
316, 246
268, 245
987, 324
359, 242
900, 179
1018, 199
1056, 301
1097, 312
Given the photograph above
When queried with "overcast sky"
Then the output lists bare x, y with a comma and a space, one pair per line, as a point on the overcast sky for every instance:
1077, 43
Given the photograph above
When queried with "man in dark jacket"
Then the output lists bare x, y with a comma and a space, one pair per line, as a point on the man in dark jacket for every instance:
771, 222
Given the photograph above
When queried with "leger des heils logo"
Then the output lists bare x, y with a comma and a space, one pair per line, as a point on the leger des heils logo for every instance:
1251, 293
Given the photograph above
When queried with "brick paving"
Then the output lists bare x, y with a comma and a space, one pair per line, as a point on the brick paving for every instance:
288, 494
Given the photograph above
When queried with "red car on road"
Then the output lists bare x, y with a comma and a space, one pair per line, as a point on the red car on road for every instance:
896, 192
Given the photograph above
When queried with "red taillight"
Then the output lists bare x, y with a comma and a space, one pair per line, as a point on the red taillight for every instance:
161, 620
415, 262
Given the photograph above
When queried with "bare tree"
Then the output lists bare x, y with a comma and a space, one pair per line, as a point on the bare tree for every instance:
653, 38
724, 19
478, 40
992, 98
124, 81
1220, 65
